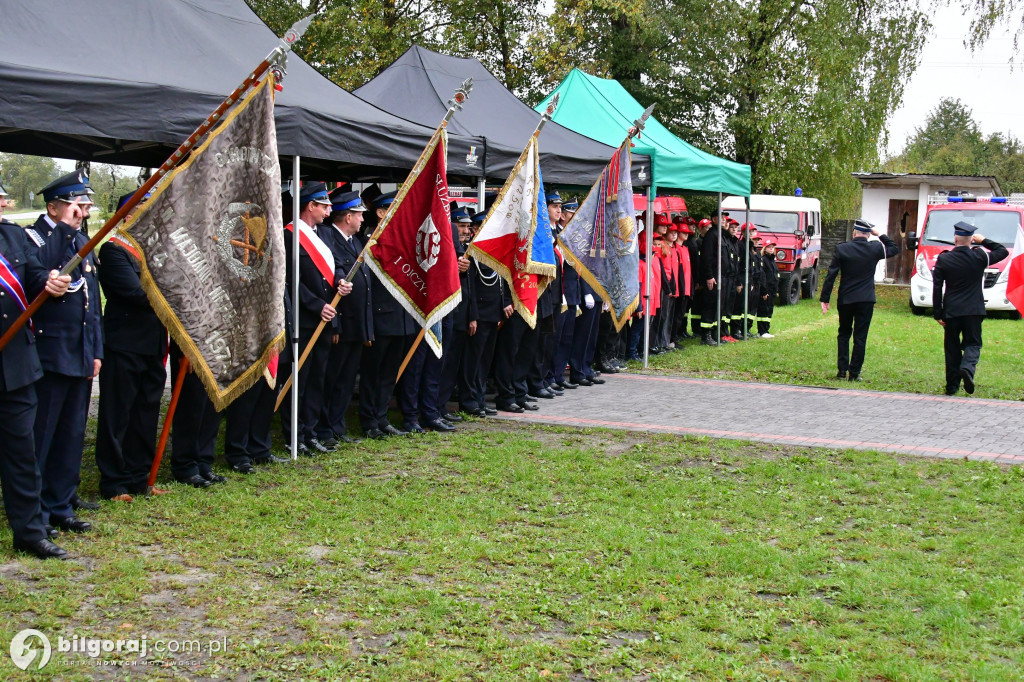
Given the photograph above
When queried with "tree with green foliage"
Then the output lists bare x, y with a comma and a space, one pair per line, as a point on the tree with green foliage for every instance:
24, 175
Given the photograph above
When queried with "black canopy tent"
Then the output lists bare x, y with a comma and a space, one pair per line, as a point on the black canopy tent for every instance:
415, 86
159, 68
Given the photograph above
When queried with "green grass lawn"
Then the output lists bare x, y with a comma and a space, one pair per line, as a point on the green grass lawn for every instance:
904, 351
534, 553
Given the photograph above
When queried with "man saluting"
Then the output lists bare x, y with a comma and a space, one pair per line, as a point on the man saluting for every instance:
962, 309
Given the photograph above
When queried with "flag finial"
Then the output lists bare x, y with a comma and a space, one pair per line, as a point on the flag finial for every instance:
638, 125
458, 99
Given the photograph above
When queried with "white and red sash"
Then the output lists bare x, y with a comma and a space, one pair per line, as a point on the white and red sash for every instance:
127, 246
10, 283
315, 248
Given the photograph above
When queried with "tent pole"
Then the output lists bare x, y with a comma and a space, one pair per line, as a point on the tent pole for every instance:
481, 190
746, 271
718, 303
296, 208
649, 230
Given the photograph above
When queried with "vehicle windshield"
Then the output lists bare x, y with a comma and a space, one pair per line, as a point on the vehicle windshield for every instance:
770, 221
1000, 226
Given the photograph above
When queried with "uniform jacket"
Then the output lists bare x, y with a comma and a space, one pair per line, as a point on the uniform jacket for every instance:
69, 333
693, 246
19, 363
571, 285
670, 269
856, 260
652, 305
550, 302
490, 291
355, 311
771, 274
466, 311
129, 323
962, 270
314, 290
709, 256
389, 317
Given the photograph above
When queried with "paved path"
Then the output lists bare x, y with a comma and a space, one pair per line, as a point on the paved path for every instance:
936, 426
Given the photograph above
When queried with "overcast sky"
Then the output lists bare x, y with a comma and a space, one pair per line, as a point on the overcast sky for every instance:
985, 81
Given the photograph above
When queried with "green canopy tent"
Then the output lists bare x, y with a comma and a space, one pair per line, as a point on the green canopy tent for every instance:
601, 108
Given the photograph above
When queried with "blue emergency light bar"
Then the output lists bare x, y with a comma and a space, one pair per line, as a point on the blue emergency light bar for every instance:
955, 200
998, 200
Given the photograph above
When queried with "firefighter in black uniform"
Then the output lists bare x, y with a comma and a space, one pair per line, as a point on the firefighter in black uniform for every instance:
733, 285
132, 383
856, 261
962, 309
456, 370
766, 302
22, 277
69, 340
355, 314
710, 263
493, 308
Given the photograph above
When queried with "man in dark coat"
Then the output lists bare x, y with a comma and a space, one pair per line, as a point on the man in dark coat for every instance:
493, 308
766, 304
22, 277
456, 370
69, 340
855, 260
135, 347
961, 308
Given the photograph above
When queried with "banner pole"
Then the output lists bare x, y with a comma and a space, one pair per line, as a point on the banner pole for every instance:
412, 350
274, 59
718, 284
649, 248
454, 104
294, 417
179, 381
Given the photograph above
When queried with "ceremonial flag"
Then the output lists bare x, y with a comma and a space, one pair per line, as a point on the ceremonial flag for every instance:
412, 252
212, 252
513, 242
600, 240
1015, 274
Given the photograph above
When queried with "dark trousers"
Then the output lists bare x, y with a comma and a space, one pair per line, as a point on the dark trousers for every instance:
419, 385
563, 345
455, 371
680, 321
765, 310
753, 299
547, 332
247, 425
59, 436
854, 318
962, 343
378, 371
19, 476
510, 380
696, 309
342, 369
130, 389
709, 309
584, 342
607, 339
194, 428
636, 336
661, 336
479, 356
311, 385
728, 306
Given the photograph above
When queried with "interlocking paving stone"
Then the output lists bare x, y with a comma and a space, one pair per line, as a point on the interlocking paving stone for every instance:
926, 425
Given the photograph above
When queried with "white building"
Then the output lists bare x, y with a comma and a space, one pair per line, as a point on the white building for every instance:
897, 202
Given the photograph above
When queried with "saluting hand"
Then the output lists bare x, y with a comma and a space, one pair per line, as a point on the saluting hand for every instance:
58, 284
72, 214
977, 238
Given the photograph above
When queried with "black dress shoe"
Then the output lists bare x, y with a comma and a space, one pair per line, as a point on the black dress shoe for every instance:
840, 375
584, 381
393, 431
529, 406
596, 380
543, 393
529, 399
78, 503
42, 549
196, 481
315, 444
490, 411
511, 407
331, 443
413, 427
968, 380
439, 425
71, 524
213, 478
597, 373
854, 377
51, 532
556, 390
303, 450
376, 434
479, 412
567, 385
270, 459
452, 417
952, 391
244, 468
345, 438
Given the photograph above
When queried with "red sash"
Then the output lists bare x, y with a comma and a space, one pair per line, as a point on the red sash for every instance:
317, 251
10, 283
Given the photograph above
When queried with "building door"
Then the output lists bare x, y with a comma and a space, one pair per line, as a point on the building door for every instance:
902, 219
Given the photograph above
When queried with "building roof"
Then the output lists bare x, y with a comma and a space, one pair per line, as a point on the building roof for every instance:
937, 182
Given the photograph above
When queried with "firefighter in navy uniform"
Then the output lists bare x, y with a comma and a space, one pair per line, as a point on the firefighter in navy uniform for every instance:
855, 260
493, 308
961, 309
22, 277
456, 370
69, 340
355, 314
135, 346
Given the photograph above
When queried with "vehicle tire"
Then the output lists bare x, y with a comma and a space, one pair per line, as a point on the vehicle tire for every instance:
917, 309
810, 287
789, 289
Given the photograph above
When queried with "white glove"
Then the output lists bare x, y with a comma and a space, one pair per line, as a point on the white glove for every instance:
589, 300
